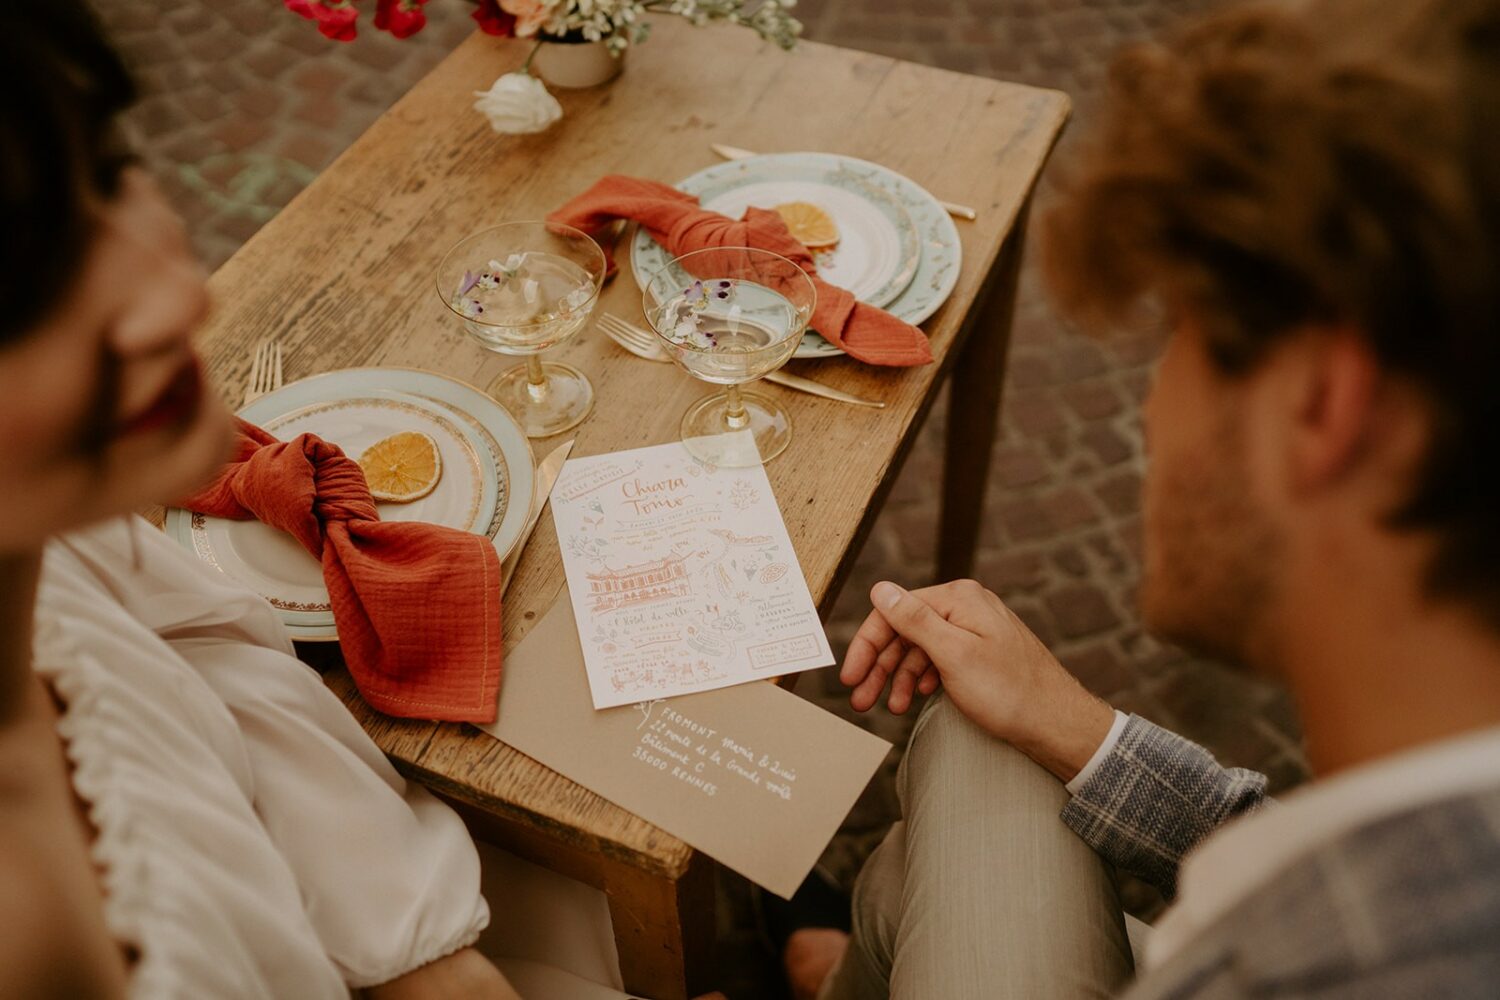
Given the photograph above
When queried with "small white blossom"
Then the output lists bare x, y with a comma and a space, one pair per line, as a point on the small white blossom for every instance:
577, 298
512, 265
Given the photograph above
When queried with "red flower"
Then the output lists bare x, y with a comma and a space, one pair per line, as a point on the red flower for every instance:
494, 21
336, 19
402, 18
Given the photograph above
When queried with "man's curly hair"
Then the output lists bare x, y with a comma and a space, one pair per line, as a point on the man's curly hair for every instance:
1336, 162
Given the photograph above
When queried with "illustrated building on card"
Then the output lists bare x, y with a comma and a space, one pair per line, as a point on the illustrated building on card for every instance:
663, 579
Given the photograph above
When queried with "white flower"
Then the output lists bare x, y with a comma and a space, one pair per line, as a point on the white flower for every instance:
511, 267
518, 104
577, 298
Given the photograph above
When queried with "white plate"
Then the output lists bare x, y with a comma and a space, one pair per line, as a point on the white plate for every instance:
877, 253
722, 186
485, 487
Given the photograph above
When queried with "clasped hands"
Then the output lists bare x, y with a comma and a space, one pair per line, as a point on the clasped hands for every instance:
996, 672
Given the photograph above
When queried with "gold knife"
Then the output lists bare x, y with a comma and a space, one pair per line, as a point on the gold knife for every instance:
547, 472
736, 153
819, 389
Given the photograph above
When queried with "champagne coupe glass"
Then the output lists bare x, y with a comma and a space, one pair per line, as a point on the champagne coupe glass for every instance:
521, 288
730, 315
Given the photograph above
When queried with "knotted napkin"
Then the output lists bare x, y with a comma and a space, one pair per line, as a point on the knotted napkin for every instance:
417, 605
675, 220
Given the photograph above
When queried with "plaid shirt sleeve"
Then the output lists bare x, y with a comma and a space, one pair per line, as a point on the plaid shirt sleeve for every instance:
1154, 797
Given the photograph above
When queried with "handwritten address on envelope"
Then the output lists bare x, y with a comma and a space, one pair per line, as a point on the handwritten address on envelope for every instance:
702, 757
752, 775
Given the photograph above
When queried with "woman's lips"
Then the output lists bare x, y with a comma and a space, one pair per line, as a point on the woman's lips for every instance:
177, 401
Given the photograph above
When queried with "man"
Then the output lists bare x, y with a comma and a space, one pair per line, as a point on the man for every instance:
1309, 192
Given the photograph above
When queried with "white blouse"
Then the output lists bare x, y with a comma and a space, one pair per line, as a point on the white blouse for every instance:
253, 841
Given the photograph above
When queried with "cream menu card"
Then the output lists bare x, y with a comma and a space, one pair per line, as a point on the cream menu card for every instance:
682, 575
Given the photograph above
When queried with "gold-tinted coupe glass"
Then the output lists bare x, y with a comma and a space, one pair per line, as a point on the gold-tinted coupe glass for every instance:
730, 315
521, 288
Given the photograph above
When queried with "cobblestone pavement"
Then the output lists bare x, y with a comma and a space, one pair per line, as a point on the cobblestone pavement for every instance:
244, 103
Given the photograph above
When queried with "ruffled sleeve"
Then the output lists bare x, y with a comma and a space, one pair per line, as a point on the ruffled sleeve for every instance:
369, 874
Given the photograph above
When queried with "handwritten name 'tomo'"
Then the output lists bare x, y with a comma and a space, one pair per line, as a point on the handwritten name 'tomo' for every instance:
648, 498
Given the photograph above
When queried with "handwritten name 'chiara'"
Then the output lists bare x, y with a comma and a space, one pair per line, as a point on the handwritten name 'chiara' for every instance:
648, 498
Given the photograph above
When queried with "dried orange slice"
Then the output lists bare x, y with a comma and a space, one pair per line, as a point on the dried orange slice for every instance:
811, 226
403, 467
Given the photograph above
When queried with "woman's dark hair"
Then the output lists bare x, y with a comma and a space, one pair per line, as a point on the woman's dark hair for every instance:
1333, 162
60, 152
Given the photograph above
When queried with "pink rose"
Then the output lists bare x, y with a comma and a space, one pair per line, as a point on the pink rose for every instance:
530, 15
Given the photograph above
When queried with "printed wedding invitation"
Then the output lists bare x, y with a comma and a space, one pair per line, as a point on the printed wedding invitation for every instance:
752, 775
682, 576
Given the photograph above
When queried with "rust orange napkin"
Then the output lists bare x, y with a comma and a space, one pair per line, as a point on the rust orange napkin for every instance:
676, 221
417, 605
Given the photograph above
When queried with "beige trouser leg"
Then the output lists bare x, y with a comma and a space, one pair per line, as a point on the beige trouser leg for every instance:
982, 891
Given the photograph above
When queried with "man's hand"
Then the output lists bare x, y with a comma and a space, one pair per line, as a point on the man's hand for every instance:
996, 672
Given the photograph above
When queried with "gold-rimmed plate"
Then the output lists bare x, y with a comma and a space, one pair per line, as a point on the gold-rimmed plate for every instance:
485, 486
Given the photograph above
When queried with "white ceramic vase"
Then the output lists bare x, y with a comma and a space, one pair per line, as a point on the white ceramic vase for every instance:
573, 65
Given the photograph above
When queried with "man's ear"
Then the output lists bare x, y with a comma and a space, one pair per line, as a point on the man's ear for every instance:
1335, 380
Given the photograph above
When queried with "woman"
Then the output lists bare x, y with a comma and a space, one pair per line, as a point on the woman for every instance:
184, 809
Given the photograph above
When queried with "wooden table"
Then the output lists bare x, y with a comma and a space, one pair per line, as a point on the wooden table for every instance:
344, 277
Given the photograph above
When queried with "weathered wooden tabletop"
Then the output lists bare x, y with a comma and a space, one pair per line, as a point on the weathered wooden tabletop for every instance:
344, 277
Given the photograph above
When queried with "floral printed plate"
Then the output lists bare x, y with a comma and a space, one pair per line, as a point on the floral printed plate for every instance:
881, 276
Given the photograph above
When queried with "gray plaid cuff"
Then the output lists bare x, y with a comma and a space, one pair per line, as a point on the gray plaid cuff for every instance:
1154, 798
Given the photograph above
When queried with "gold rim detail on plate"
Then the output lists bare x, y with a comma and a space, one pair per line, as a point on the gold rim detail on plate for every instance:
502, 468
199, 523
525, 442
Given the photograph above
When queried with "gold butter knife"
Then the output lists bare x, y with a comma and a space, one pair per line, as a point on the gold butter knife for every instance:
807, 385
736, 153
547, 472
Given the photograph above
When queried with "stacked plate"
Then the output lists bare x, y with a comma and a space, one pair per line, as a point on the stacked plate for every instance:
898, 248
485, 487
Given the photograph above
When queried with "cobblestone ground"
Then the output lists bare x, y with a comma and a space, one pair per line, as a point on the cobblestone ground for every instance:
244, 103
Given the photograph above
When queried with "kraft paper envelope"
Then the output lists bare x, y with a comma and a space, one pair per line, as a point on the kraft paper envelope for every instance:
752, 775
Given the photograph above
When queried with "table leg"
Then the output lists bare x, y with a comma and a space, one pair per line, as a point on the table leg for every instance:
664, 930
664, 926
974, 411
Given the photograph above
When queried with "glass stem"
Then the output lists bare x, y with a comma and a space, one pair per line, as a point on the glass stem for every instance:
735, 417
536, 378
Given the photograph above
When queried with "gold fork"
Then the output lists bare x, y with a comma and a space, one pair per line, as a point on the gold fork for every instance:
265, 369
643, 344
